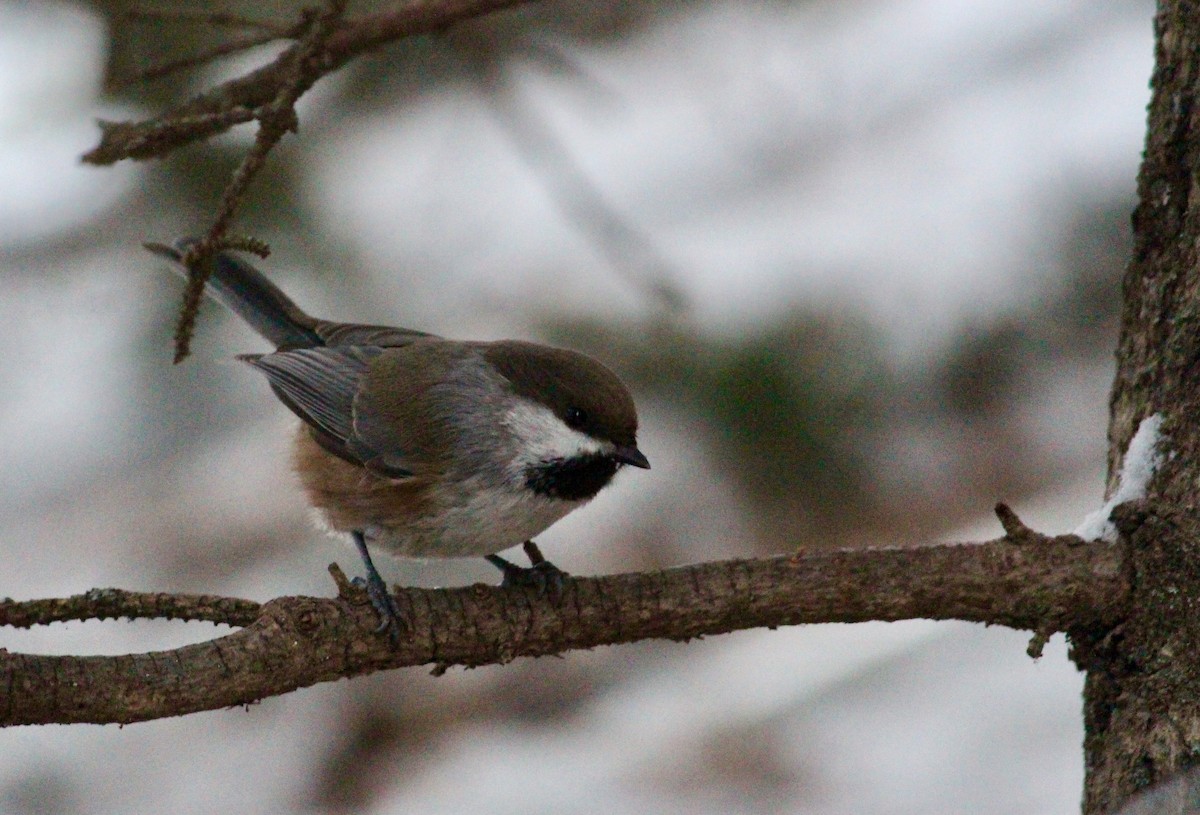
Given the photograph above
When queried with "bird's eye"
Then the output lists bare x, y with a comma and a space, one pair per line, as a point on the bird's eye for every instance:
576, 418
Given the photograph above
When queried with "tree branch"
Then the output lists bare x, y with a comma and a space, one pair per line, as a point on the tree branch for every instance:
99, 604
220, 108
1035, 582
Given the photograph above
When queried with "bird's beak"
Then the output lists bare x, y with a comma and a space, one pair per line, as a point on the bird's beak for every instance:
628, 454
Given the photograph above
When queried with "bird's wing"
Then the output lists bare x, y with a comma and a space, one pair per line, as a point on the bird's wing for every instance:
320, 385
340, 335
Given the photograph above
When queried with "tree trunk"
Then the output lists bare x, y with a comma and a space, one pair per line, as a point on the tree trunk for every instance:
1142, 695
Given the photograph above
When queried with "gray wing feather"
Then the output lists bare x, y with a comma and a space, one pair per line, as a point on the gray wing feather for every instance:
319, 384
340, 335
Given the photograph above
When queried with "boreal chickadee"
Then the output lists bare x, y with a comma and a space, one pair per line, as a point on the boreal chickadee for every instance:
431, 447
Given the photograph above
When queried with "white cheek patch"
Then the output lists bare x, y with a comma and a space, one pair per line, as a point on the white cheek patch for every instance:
542, 436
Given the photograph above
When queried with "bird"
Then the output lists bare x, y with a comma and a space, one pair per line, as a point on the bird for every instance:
429, 447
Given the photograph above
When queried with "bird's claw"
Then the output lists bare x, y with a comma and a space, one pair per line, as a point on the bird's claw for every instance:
391, 619
542, 576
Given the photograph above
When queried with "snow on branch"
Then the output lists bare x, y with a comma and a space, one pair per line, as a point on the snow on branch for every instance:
1142, 460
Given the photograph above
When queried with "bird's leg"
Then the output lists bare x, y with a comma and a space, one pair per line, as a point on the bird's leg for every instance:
390, 618
541, 574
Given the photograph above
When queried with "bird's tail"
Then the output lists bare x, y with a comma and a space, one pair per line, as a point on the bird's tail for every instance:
248, 293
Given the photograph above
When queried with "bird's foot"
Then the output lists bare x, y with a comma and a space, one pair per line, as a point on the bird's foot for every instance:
541, 575
391, 619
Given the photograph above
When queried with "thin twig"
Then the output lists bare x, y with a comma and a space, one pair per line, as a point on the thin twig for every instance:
275, 120
151, 138
99, 604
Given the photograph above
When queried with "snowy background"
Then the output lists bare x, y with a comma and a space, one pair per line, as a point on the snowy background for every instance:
894, 231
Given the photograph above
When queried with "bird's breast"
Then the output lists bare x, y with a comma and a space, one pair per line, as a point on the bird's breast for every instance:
459, 515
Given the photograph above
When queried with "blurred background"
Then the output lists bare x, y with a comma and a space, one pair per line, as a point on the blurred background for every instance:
860, 262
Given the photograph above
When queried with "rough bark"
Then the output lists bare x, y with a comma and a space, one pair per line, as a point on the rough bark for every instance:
1142, 696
